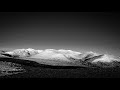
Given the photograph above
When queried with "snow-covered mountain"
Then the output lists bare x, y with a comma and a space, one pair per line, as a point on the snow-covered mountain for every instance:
23, 52
61, 54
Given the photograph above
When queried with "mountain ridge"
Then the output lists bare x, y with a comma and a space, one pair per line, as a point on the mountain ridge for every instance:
61, 54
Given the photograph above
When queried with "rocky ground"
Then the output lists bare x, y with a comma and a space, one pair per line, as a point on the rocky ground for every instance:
9, 68
15, 68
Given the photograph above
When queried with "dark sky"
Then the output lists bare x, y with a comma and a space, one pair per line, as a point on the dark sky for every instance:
79, 31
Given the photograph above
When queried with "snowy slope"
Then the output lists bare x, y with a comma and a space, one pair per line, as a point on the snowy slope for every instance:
51, 55
106, 58
23, 52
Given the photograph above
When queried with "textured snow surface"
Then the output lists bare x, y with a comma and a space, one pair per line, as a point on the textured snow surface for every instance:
23, 52
61, 54
106, 58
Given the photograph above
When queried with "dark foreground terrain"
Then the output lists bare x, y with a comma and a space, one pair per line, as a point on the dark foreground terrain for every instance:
16, 68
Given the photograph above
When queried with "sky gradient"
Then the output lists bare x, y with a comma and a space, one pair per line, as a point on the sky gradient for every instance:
79, 31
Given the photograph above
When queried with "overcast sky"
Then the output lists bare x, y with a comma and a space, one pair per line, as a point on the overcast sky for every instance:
79, 31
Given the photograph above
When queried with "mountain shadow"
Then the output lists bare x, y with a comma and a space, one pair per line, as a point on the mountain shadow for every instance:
35, 64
